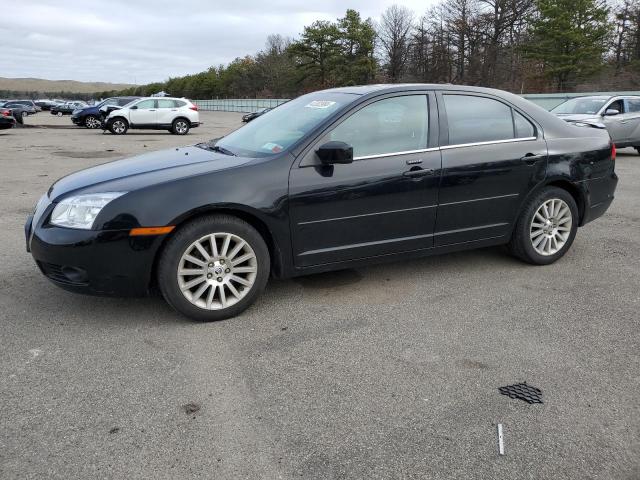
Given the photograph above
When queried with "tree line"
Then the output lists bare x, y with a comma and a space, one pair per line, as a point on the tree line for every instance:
516, 45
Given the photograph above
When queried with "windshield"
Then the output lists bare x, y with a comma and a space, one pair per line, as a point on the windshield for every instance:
584, 105
282, 127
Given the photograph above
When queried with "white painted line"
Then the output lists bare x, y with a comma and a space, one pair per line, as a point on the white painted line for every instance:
500, 440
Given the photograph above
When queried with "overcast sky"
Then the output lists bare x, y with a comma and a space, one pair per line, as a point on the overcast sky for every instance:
141, 41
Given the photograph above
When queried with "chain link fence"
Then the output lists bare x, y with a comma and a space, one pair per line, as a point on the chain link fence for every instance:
238, 104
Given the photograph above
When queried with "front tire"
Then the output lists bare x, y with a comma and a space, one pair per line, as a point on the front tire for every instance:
213, 268
119, 126
546, 227
180, 126
91, 121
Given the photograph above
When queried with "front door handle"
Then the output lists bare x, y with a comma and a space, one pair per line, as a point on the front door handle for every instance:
531, 158
418, 172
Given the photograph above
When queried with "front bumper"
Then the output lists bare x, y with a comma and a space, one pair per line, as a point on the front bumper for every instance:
77, 119
89, 261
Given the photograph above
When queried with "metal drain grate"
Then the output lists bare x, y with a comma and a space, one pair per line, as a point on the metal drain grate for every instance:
522, 391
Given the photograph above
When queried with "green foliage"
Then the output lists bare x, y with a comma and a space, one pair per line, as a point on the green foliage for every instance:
569, 38
340, 53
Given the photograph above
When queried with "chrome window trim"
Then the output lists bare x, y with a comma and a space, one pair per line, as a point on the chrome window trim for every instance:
490, 142
444, 147
392, 154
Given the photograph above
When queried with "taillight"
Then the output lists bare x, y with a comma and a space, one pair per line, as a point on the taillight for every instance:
613, 151
194, 107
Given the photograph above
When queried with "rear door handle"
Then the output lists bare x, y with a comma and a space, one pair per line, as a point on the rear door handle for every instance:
418, 172
531, 158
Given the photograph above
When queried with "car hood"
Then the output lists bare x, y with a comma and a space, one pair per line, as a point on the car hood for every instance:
579, 117
144, 170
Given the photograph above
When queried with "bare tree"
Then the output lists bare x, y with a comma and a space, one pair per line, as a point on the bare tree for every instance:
394, 34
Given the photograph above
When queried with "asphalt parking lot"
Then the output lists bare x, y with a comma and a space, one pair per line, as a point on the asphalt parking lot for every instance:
389, 371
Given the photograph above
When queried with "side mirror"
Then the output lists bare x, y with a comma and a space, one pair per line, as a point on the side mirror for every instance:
135, 107
611, 111
335, 152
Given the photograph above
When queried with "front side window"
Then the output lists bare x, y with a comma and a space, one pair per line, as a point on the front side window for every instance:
146, 104
392, 125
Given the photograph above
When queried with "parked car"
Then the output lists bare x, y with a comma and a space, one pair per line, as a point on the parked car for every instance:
250, 116
333, 179
620, 115
24, 108
45, 104
6, 119
90, 117
177, 115
66, 108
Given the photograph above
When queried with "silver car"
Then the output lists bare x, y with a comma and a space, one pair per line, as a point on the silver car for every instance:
620, 115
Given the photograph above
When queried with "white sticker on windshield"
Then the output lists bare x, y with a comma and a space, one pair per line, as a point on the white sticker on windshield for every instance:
320, 104
272, 147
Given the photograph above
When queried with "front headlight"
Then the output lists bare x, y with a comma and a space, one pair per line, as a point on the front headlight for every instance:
80, 211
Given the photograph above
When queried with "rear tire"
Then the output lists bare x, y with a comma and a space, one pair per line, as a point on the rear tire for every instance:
208, 283
180, 126
546, 227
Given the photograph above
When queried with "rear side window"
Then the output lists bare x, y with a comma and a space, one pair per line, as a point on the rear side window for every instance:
162, 103
179, 103
633, 105
524, 128
393, 125
477, 119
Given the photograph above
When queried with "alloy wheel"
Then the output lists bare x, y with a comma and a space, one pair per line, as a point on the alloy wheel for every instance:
217, 271
181, 127
92, 122
118, 126
551, 227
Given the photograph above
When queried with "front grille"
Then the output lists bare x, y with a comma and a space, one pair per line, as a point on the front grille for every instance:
57, 274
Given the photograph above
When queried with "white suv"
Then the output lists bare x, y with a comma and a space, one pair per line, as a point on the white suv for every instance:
177, 115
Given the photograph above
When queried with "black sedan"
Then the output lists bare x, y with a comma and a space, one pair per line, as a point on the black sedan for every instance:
337, 178
7, 119
253, 115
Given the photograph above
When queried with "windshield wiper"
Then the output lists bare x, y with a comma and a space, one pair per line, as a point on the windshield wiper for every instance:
225, 151
216, 148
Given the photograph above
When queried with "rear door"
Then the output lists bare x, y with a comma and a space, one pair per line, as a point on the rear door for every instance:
492, 156
167, 111
145, 114
385, 201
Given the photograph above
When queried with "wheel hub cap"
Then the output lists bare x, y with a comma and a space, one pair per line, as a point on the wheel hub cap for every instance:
217, 271
550, 227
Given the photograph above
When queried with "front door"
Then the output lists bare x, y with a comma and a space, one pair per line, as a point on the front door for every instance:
385, 201
145, 114
492, 158
623, 127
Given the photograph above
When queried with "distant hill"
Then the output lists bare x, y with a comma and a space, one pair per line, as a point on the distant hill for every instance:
41, 85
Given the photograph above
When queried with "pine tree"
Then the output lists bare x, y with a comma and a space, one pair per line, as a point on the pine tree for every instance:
569, 39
